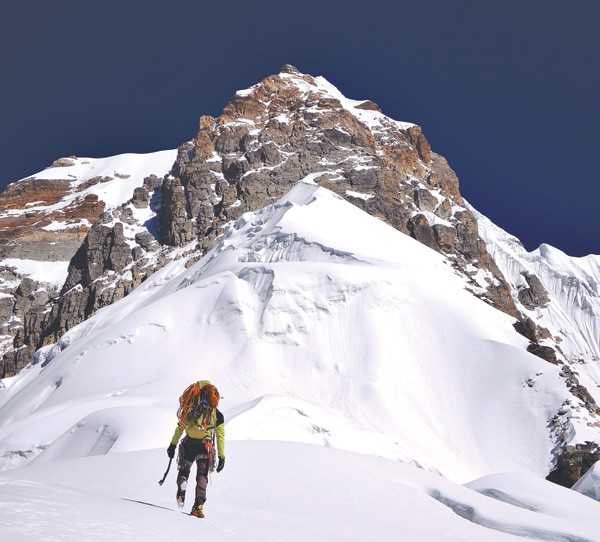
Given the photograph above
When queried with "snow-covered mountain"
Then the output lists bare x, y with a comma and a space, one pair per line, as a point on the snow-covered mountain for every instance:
342, 333
343, 315
316, 260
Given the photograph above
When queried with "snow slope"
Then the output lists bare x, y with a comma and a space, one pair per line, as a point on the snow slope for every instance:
320, 325
287, 492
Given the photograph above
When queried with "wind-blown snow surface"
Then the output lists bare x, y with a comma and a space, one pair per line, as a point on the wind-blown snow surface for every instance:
286, 492
320, 325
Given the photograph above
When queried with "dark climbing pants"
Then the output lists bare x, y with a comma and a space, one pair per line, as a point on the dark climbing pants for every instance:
191, 450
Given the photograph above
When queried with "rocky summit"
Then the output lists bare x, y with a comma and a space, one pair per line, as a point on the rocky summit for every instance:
113, 222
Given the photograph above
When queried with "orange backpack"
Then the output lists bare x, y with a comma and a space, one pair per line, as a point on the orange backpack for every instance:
196, 404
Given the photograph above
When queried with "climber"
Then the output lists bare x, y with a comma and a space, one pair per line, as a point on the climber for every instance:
203, 424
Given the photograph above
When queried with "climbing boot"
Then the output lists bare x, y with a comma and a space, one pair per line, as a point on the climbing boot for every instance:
197, 511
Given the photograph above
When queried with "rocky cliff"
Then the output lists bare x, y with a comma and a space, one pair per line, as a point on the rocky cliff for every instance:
291, 126
44, 223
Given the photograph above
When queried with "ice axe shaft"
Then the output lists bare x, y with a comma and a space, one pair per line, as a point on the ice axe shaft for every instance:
160, 483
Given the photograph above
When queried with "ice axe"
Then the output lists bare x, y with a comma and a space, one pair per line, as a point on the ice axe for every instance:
160, 483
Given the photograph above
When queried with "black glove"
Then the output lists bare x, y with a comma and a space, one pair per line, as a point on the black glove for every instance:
171, 451
221, 464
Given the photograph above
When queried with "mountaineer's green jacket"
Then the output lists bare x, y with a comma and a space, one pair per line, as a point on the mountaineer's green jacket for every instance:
194, 430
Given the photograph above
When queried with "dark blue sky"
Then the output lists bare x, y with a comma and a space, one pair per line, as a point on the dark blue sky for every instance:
508, 91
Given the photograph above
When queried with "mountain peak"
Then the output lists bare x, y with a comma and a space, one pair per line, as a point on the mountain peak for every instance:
289, 69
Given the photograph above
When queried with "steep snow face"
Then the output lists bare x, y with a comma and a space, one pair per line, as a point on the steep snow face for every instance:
573, 313
320, 324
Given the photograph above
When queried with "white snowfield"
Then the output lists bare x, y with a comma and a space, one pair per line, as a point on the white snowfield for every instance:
361, 383
286, 492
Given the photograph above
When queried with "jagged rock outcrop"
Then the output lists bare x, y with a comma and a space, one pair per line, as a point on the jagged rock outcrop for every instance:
574, 462
32, 300
44, 220
175, 226
104, 249
545, 352
291, 126
535, 295
107, 266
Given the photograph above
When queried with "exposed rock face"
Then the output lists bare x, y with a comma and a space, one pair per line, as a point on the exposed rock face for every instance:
574, 462
292, 126
535, 295
46, 218
22, 233
109, 264
35, 226
545, 352
104, 249
31, 301
175, 227
288, 127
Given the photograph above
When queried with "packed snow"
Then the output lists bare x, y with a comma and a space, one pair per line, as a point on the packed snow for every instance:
50, 272
287, 492
361, 383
